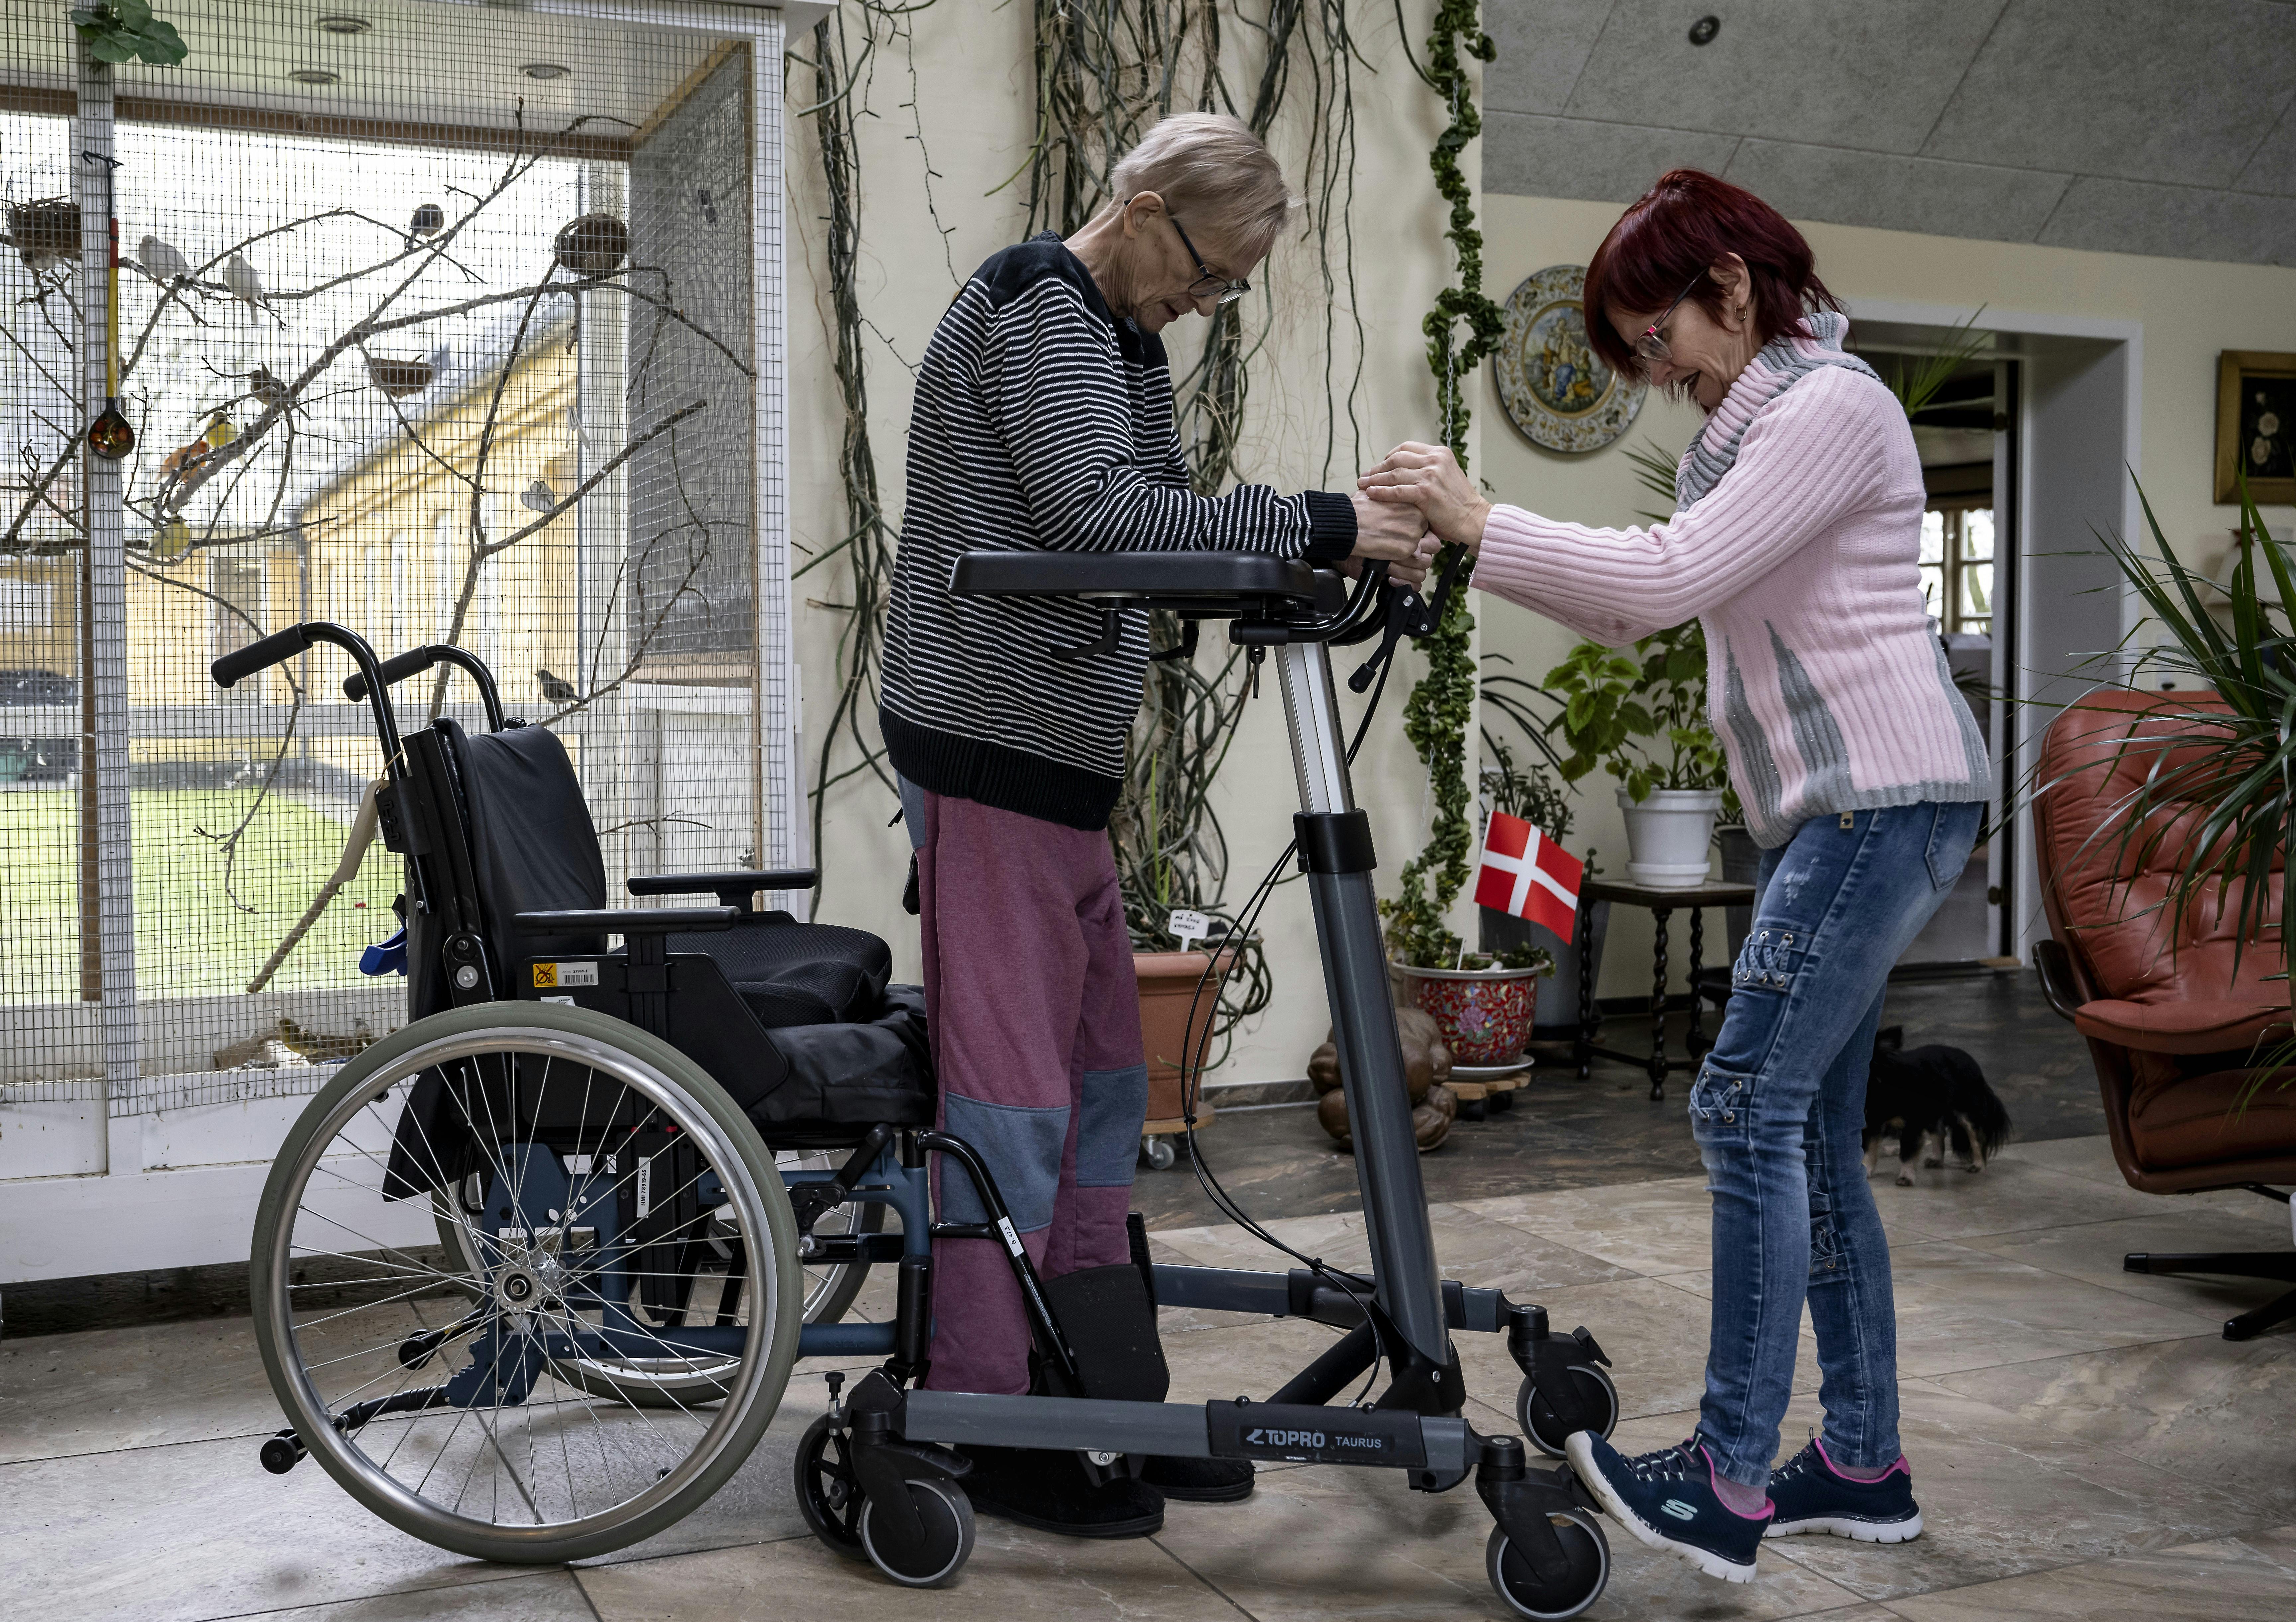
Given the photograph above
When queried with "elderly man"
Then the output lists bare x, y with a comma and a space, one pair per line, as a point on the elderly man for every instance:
1044, 421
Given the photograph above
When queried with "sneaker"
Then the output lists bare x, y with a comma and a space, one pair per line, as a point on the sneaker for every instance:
1810, 1495
1666, 1499
1200, 1481
1046, 1489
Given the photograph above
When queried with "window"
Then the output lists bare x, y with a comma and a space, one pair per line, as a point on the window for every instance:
1957, 565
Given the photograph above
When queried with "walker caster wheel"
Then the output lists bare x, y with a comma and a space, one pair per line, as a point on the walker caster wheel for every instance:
828, 1494
1161, 1155
1539, 1422
936, 1557
1520, 1586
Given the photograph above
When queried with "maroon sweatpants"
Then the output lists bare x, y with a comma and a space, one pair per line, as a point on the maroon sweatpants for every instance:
1035, 1017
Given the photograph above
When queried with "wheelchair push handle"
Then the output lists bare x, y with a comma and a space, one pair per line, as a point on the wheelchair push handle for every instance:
277, 648
281, 646
415, 661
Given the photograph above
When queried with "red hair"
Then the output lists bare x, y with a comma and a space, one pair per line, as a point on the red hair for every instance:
1685, 223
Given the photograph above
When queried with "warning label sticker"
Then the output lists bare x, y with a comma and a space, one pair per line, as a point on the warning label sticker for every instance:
550, 976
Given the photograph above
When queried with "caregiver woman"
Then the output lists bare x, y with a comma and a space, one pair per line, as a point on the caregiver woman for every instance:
1793, 542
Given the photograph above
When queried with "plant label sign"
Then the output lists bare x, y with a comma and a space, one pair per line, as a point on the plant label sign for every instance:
1190, 927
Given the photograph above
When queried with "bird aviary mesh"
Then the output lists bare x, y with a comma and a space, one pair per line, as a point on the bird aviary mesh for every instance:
446, 323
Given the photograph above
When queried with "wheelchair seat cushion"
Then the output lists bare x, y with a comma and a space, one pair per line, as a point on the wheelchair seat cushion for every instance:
843, 1079
796, 974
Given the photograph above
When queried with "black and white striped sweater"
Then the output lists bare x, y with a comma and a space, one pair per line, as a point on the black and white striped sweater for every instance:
1045, 423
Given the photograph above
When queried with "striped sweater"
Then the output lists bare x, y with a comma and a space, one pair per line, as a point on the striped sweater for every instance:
1043, 422
1797, 548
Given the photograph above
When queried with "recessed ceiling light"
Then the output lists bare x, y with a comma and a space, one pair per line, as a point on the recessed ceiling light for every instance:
314, 76
342, 23
544, 70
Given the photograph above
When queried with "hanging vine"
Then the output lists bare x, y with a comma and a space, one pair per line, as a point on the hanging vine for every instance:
1441, 705
842, 70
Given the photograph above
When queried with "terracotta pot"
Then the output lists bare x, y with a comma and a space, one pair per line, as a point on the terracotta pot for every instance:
1167, 994
1485, 1015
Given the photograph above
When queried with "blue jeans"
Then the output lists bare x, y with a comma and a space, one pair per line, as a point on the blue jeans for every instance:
1777, 1111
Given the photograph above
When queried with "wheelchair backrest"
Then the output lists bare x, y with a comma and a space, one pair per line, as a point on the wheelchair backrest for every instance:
527, 844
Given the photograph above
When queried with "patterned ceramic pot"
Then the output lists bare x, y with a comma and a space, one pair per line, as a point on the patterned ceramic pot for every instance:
1485, 1013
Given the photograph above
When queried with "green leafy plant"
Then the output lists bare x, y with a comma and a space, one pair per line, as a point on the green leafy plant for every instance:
1642, 717
126, 31
2219, 782
1442, 701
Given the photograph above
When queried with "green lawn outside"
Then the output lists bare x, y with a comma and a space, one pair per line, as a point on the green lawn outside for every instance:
190, 939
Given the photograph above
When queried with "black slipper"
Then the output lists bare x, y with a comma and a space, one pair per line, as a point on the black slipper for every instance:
1046, 1489
1200, 1480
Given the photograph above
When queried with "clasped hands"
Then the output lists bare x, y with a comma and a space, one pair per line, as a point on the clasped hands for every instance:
1413, 503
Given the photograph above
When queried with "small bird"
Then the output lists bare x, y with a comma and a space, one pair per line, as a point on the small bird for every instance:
171, 539
557, 689
220, 432
266, 388
245, 285
160, 261
428, 220
538, 496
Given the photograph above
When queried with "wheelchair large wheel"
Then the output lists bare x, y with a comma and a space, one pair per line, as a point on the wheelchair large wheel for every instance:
616, 1177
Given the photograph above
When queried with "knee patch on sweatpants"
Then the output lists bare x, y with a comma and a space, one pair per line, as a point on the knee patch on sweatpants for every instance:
1769, 960
1108, 1135
1022, 1147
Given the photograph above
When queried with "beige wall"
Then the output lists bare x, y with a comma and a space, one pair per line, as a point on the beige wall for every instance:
976, 109
2189, 311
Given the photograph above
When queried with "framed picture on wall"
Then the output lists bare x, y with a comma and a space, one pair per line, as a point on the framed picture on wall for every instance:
2256, 425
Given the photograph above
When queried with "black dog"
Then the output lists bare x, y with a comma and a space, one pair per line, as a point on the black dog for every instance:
1929, 1092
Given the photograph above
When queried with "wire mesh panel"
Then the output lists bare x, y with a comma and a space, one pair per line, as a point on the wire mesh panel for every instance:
440, 321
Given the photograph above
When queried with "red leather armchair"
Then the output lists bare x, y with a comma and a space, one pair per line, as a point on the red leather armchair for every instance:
2171, 1023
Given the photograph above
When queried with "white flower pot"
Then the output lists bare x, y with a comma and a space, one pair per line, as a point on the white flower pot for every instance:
1668, 834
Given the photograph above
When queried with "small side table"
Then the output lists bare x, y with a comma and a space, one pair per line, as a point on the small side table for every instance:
1661, 904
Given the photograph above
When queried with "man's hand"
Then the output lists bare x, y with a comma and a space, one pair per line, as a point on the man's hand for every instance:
1392, 533
1427, 479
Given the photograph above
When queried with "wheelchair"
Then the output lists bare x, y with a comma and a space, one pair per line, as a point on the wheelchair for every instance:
529, 1275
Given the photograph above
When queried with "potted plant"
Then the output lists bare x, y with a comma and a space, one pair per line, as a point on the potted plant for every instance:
2237, 760
1643, 716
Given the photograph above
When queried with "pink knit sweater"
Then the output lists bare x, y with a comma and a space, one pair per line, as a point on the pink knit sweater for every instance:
1825, 680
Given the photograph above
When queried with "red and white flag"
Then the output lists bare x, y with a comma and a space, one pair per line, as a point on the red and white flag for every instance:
1524, 872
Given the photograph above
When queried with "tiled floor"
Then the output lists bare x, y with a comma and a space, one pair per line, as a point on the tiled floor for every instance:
2083, 1443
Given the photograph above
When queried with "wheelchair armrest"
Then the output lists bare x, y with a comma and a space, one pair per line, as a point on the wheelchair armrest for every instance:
734, 888
628, 921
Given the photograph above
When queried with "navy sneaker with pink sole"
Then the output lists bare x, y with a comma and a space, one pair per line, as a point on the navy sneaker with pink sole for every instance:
1810, 1495
1667, 1500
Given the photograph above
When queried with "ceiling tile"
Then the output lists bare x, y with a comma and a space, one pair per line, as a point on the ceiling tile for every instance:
2271, 167
1898, 193
1814, 71
1525, 155
2132, 88
2174, 222
1543, 44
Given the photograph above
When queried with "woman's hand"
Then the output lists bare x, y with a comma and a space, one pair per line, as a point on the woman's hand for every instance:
1392, 533
1427, 478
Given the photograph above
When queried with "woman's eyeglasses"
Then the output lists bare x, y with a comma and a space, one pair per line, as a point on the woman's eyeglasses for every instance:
1651, 345
1208, 284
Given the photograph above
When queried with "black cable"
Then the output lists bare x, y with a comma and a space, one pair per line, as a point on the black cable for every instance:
1247, 919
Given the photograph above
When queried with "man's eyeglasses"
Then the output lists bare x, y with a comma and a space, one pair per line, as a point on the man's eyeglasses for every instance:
1651, 345
1208, 284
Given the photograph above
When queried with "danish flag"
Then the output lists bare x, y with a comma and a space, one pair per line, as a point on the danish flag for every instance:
1524, 872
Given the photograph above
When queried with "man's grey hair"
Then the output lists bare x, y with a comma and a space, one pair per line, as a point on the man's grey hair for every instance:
1208, 166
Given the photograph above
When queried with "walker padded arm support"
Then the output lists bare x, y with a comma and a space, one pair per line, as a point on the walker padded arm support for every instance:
734, 887
630, 921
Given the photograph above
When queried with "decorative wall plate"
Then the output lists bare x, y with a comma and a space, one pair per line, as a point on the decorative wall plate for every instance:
1558, 390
